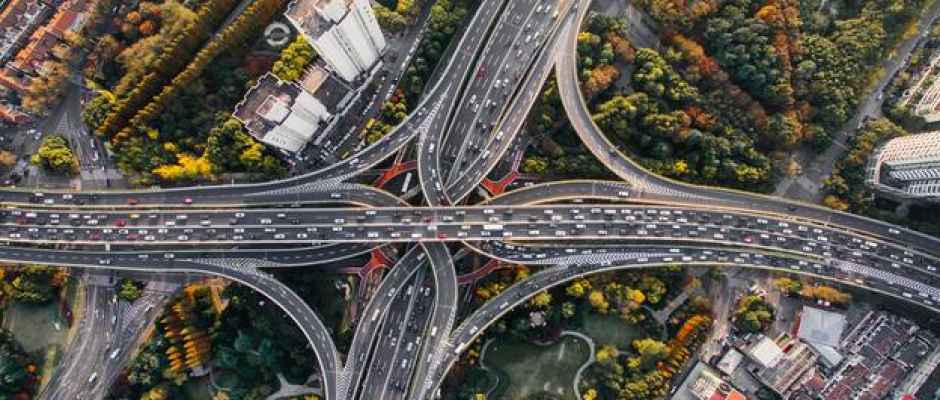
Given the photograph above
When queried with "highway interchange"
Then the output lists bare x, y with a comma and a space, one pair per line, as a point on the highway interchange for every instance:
406, 338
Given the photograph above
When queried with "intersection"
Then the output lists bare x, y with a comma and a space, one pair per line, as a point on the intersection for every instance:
574, 228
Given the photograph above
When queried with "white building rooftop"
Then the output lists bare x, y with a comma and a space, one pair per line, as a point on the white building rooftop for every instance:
821, 327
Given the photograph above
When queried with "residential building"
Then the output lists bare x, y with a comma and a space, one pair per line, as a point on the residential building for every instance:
344, 33
704, 383
882, 350
797, 360
907, 167
33, 33
287, 115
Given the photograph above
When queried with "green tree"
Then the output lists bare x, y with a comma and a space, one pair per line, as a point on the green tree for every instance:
129, 290
753, 314
650, 351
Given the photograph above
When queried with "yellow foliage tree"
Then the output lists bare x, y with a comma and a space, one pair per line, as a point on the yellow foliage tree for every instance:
542, 299
578, 287
599, 301
606, 353
835, 203
187, 167
590, 394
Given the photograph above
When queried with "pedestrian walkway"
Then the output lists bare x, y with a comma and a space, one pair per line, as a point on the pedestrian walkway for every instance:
662, 315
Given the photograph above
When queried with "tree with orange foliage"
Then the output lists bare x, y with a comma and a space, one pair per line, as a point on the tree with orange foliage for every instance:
622, 48
601, 79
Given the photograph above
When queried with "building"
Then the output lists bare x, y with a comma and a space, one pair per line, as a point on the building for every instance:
907, 167
821, 327
704, 383
344, 33
794, 363
881, 350
766, 353
287, 115
33, 34
730, 361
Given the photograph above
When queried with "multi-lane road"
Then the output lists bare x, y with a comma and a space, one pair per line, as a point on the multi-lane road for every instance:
406, 340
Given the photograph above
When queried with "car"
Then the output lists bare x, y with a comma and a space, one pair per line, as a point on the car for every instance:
131, 201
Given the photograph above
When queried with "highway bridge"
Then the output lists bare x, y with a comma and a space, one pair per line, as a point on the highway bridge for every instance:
406, 338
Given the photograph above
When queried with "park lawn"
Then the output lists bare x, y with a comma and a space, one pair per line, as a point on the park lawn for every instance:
534, 369
197, 389
610, 329
34, 326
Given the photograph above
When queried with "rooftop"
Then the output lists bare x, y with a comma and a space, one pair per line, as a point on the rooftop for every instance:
821, 327
317, 16
328, 89
766, 352
730, 361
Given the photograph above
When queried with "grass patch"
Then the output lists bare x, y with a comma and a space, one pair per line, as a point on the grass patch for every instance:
197, 390
610, 329
535, 369
35, 325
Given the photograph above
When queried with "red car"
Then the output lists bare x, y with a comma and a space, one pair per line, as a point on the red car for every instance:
188, 200
120, 222
132, 201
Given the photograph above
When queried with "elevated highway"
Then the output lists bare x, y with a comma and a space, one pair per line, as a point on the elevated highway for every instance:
644, 221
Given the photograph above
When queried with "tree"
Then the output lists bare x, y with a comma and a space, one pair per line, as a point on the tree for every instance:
293, 59
17, 369
129, 290
753, 314
590, 394
650, 351
788, 286
568, 309
600, 80
541, 300
389, 20
187, 168
826, 293
33, 283
55, 156
96, 110
535, 165
578, 287
599, 301
46, 90
7, 158
606, 354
